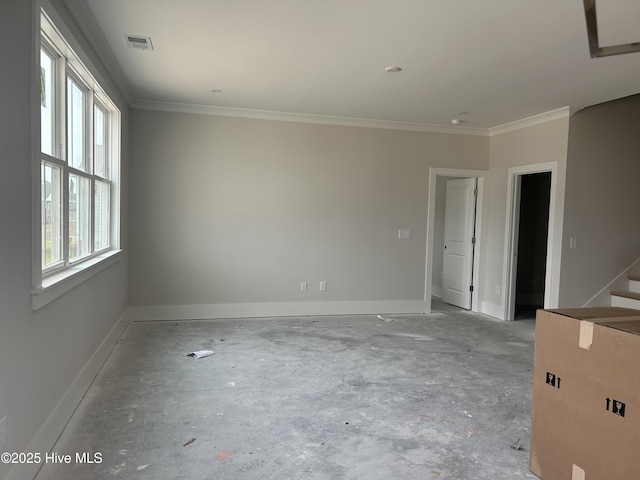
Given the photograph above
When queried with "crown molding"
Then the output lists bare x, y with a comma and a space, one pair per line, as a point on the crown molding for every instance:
559, 113
306, 118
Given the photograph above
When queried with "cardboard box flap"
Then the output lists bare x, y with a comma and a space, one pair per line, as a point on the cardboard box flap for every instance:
625, 324
596, 312
629, 325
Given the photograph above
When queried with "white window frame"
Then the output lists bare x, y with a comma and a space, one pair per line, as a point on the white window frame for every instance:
55, 280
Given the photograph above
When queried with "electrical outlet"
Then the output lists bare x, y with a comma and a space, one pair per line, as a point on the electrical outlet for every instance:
303, 286
3, 433
497, 289
573, 242
323, 286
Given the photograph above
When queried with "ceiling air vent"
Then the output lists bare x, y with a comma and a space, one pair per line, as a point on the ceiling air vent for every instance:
136, 41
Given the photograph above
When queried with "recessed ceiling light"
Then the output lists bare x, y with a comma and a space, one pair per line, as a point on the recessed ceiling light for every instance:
393, 69
455, 121
216, 90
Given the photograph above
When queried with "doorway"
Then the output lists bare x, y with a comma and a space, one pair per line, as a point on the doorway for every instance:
532, 239
435, 231
540, 240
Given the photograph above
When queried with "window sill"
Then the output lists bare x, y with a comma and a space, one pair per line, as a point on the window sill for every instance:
57, 284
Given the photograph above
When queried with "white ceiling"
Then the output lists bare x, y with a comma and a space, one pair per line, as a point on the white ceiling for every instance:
498, 60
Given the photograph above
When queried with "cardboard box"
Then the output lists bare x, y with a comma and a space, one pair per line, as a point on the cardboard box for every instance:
585, 422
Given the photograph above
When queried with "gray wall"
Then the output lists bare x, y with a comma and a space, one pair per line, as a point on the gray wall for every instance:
601, 205
42, 352
546, 142
231, 210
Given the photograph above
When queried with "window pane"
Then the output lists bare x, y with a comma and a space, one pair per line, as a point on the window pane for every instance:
75, 125
99, 138
102, 215
79, 217
46, 103
51, 214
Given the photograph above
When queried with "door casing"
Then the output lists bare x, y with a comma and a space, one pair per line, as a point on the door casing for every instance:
511, 238
434, 173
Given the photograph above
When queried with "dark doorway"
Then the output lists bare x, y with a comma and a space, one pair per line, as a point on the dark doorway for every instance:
535, 194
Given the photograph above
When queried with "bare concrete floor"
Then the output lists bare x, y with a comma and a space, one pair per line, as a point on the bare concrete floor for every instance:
442, 396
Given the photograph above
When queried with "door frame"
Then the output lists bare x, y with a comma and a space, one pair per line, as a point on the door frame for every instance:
434, 173
552, 273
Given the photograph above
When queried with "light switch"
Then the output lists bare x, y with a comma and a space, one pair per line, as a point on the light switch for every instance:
404, 233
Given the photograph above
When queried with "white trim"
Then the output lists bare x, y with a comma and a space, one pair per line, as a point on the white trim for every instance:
306, 118
491, 309
552, 274
564, 112
284, 309
56, 285
47, 287
434, 172
625, 302
46, 437
36, 153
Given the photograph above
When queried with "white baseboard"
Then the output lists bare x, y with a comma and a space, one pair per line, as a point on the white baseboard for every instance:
436, 291
492, 310
46, 437
287, 309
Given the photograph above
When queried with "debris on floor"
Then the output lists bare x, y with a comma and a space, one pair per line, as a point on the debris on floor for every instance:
386, 319
516, 445
200, 354
393, 396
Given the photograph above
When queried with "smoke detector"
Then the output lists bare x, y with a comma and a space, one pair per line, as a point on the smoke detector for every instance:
139, 42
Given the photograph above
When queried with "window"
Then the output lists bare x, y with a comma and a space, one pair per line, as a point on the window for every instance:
79, 164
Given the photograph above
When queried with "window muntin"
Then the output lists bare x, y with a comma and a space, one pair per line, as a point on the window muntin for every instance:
79, 217
47, 104
100, 163
79, 137
102, 218
51, 214
76, 125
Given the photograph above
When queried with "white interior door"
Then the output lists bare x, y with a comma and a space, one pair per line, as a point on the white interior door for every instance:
457, 271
